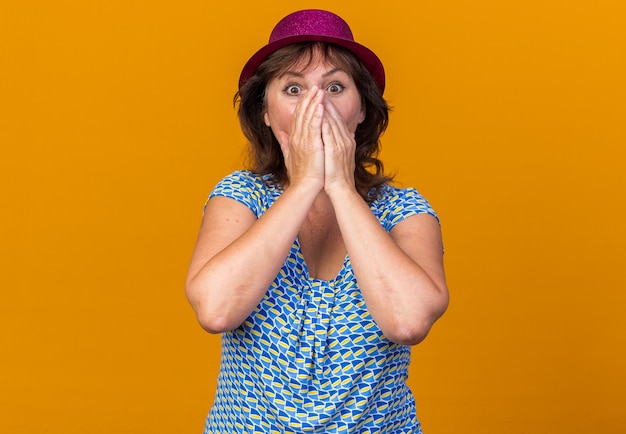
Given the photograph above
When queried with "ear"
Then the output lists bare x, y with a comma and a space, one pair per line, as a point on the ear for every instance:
266, 118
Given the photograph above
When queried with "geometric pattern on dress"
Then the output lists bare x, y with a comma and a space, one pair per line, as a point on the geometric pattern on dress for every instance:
310, 358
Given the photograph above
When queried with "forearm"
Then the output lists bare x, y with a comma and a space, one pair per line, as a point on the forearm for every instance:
228, 285
403, 298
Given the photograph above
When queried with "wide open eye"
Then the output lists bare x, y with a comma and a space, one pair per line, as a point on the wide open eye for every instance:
335, 88
292, 89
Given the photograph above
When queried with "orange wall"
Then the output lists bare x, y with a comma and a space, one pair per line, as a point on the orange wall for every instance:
117, 120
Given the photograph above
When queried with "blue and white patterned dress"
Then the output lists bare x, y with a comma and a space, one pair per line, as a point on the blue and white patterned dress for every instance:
310, 358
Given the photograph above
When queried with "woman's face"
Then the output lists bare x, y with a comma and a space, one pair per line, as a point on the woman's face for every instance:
284, 92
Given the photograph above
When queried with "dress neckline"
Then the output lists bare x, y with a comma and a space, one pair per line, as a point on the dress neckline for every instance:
305, 266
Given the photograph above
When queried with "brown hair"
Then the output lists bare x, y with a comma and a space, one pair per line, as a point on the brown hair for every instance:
265, 154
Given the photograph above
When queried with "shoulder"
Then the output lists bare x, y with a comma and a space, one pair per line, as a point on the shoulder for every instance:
239, 179
255, 191
394, 204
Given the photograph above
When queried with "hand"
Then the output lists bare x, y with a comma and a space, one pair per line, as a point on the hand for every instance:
303, 148
339, 150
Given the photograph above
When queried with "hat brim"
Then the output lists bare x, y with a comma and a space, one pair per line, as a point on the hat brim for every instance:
364, 54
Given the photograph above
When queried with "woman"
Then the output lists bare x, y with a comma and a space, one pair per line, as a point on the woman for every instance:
318, 273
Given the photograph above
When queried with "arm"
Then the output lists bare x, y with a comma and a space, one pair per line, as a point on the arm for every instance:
237, 256
400, 273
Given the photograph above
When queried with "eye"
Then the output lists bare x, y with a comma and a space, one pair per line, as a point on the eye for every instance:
292, 89
335, 88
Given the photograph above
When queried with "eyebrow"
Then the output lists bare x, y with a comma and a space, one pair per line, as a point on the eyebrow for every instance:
300, 75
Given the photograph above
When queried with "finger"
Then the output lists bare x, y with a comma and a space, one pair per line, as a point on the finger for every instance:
302, 111
330, 131
313, 115
328, 137
336, 119
332, 110
337, 129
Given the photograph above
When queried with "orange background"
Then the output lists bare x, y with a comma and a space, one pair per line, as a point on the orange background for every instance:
116, 121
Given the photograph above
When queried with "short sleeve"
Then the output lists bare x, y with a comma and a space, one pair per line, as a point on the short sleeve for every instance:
399, 203
244, 187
